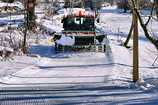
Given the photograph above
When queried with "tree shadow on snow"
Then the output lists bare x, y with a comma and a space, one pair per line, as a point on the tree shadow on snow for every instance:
70, 95
42, 50
76, 66
79, 93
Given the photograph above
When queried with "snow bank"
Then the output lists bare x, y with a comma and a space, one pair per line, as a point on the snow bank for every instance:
11, 40
1, 48
17, 4
50, 26
66, 41
8, 49
68, 10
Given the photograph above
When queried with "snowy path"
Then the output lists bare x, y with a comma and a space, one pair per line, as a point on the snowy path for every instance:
88, 94
78, 79
84, 78
71, 69
10, 67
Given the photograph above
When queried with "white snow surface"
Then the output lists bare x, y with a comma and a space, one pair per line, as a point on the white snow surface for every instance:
11, 40
50, 26
1, 48
93, 78
66, 41
8, 49
69, 10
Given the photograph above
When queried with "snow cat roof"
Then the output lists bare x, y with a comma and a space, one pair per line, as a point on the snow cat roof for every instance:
80, 13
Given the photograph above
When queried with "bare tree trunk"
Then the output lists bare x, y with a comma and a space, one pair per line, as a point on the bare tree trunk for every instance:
144, 26
31, 14
129, 36
125, 5
131, 29
30, 21
156, 5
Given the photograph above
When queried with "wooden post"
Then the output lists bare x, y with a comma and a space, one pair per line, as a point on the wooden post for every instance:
135, 45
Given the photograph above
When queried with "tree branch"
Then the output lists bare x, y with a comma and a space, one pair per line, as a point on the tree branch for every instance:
151, 39
150, 15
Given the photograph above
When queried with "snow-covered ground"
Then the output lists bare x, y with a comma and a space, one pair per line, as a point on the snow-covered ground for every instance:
92, 78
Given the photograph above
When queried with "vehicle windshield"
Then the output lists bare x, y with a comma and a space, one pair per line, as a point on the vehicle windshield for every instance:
77, 23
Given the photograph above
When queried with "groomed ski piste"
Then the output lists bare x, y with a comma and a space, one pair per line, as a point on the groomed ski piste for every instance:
84, 78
